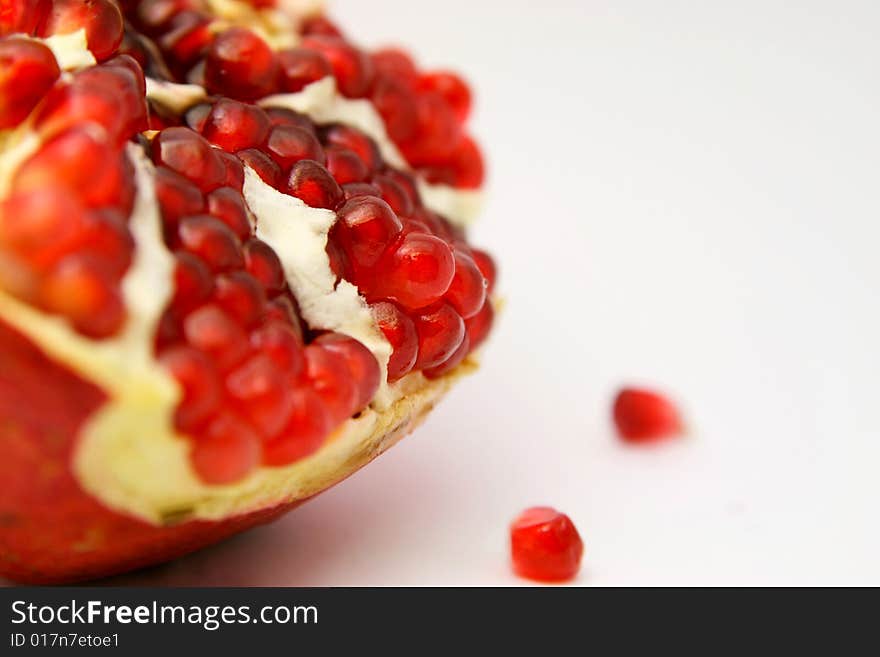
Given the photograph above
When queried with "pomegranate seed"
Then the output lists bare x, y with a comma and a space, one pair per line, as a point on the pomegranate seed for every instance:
105, 235
155, 15
437, 132
463, 169
283, 308
130, 64
301, 67
362, 366
352, 68
313, 184
416, 273
199, 381
226, 451
240, 64
395, 194
177, 196
644, 416
545, 545
262, 164
452, 88
22, 16
241, 296
213, 331
487, 266
190, 155
227, 205
284, 116
281, 342
345, 165
234, 126
101, 19
467, 292
450, 363
305, 432
355, 190
396, 105
328, 374
262, 263
441, 331
357, 141
364, 228
187, 38
81, 290
42, 225
193, 283
395, 64
212, 241
234, 170
479, 325
258, 385
196, 116
27, 71
289, 144
320, 25
400, 332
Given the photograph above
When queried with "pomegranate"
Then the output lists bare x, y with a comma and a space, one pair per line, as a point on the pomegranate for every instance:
545, 545
645, 416
233, 270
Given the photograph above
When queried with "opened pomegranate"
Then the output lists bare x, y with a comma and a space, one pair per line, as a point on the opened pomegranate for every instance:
233, 269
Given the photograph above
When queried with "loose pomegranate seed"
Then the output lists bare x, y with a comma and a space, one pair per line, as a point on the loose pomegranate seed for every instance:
263, 398
265, 167
395, 64
452, 88
400, 332
356, 141
450, 363
241, 296
416, 273
352, 68
345, 165
262, 263
396, 105
314, 185
464, 168
328, 374
212, 241
644, 416
479, 325
177, 196
355, 190
190, 155
545, 545
234, 170
226, 451
467, 292
27, 71
362, 366
305, 432
281, 342
290, 144
234, 126
199, 381
395, 194
193, 282
364, 228
227, 205
101, 19
211, 330
240, 64
487, 266
300, 67
22, 16
441, 331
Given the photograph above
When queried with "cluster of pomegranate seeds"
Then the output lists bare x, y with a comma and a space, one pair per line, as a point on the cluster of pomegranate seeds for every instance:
545, 545
645, 416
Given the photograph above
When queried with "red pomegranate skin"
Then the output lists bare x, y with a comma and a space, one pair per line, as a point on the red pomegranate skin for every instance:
51, 530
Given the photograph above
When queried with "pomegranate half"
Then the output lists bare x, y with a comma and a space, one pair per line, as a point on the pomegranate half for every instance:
233, 269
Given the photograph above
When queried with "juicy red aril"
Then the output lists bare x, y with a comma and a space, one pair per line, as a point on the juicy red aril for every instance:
284, 116
328, 374
27, 71
193, 282
187, 38
212, 241
345, 165
643, 416
314, 185
395, 64
463, 168
396, 105
467, 292
105, 235
101, 20
41, 225
357, 141
177, 196
211, 330
305, 432
262, 263
450, 363
190, 155
157, 14
487, 266
199, 381
300, 67
290, 144
258, 386
395, 194
227, 205
282, 343
320, 25
354, 190
22, 16
241, 296
441, 331
352, 68
364, 228
452, 88
240, 64
416, 273
362, 366
437, 132
234, 170
400, 332
545, 545
265, 167
227, 450
234, 126
479, 325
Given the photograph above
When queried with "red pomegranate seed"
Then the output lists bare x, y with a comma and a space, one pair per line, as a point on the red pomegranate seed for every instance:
395, 194
105, 235
22, 16
27, 71
362, 366
357, 141
320, 25
187, 38
364, 229
400, 332
234, 126
212, 241
101, 19
452, 88
313, 184
281, 342
463, 169
262, 263
265, 167
283, 308
301, 67
305, 432
42, 225
396, 104
190, 155
416, 273
441, 331
193, 282
479, 325
396, 64
196, 116
240, 64
227, 205
264, 399
284, 116
155, 15
84, 292
289, 144
355, 190
177, 196
545, 545
241, 296
328, 374
352, 68
437, 132
199, 381
467, 292
644, 416
487, 266
450, 363
345, 165
226, 451
213, 331
234, 170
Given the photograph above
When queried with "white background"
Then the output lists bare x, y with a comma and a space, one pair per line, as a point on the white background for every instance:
683, 194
